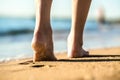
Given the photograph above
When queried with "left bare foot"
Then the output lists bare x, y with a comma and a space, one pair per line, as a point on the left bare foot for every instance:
42, 45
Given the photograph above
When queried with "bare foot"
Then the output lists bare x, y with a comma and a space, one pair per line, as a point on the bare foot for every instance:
75, 49
42, 45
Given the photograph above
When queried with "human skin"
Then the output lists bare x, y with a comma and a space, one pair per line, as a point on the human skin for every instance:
80, 10
42, 42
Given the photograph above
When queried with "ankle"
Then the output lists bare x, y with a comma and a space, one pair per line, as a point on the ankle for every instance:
76, 41
42, 37
43, 29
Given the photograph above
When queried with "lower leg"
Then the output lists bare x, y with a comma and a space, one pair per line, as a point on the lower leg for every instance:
42, 43
80, 10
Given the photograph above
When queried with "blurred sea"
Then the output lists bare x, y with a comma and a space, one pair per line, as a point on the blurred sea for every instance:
16, 36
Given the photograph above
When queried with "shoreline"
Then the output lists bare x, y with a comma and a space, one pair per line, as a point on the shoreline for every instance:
102, 64
92, 51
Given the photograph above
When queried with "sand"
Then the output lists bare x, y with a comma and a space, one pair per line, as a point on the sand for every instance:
103, 64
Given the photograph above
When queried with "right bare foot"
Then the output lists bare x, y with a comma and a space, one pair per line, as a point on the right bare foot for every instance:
42, 45
75, 49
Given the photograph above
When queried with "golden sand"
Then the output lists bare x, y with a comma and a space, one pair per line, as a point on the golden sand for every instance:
103, 64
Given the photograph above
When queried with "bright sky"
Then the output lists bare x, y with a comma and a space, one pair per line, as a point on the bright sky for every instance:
20, 8
60, 8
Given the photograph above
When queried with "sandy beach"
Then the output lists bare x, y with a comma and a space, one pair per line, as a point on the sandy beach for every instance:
102, 64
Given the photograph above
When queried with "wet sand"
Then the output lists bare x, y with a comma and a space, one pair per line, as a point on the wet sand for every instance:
102, 64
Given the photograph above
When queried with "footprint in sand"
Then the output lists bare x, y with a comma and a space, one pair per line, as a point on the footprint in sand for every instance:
37, 66
26, 63
34, 66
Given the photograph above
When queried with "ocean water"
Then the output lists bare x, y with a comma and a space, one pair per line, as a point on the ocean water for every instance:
16, 36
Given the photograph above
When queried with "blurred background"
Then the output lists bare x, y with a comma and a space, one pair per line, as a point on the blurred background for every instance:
17, 21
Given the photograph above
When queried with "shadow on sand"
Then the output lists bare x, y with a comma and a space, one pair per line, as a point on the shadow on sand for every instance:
90, 58
94, 58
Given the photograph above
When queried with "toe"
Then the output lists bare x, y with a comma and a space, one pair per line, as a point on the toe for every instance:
85, 53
